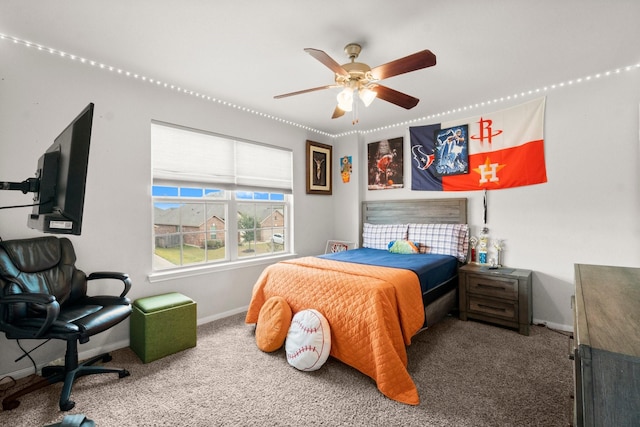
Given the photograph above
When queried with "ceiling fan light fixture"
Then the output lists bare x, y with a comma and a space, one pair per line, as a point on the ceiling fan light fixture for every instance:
345, 99
367, 96
360, 78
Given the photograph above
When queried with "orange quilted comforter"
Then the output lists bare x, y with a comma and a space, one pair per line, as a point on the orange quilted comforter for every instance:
373, 312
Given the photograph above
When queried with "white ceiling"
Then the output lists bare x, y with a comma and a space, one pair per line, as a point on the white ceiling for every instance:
245, 52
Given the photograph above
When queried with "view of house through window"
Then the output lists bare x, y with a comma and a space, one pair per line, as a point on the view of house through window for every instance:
194, 229
197, 220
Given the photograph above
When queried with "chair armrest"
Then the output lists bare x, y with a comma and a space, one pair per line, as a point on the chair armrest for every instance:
50, 303
113, 275
30, 298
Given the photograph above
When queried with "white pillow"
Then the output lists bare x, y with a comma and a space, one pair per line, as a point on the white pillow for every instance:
378, 236
308, 341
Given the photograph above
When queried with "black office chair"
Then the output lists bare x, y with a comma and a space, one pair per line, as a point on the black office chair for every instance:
44, 296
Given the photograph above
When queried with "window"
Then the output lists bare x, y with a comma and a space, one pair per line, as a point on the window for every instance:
217, 199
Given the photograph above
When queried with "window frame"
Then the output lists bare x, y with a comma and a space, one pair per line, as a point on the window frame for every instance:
182, 191
232, 205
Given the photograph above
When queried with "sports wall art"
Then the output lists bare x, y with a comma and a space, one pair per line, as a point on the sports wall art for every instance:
452, 154
384, 163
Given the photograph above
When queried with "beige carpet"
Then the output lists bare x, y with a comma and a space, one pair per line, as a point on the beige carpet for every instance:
467, 374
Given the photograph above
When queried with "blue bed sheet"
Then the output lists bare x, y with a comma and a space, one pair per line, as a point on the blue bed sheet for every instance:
432, 270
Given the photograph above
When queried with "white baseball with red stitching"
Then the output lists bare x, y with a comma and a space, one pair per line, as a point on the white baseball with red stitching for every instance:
308, 341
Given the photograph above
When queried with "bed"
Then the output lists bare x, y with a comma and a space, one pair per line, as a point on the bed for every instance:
376, 300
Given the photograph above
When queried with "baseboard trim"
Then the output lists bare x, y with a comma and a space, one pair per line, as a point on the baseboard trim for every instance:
208, 319
551, 325
201, 321
83, 355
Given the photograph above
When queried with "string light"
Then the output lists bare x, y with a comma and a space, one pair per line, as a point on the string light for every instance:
536, 91
156, 82
178, 89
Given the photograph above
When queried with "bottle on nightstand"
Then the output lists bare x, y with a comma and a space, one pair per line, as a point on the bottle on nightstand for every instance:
483, 245
473, 242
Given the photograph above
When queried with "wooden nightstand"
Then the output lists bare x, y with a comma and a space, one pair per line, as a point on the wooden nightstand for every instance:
501, 296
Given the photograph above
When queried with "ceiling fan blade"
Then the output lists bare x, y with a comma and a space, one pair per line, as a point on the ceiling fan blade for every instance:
338, 112
417, 61
327, 61
393, 96
313, 89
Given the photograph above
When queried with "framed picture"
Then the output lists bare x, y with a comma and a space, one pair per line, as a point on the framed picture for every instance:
384, 162
334, 246
452, 151
318, 168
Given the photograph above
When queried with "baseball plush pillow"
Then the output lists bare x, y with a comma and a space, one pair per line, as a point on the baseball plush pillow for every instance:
308, 341
273, 324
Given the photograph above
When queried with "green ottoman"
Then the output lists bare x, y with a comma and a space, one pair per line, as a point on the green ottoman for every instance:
162, 325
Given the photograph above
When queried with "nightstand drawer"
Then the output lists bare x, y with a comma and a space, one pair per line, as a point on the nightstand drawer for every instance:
497, 287
503, 309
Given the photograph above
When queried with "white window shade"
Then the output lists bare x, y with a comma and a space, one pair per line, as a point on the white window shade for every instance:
188, 156
262, 166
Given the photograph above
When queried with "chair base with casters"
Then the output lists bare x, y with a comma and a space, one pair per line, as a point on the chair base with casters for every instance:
67, 374
44, 296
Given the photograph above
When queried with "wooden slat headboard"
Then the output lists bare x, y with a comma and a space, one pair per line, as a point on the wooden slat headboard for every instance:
423, 211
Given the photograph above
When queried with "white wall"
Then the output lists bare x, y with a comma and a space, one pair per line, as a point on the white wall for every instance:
588, 210
41, 94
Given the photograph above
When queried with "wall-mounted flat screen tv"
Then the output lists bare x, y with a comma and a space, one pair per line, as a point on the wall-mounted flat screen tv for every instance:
62, 175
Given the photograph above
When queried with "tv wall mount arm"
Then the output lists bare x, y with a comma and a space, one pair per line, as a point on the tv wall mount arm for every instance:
29, 185
43, 185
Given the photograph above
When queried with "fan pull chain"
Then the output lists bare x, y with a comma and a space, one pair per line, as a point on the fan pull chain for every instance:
354, 112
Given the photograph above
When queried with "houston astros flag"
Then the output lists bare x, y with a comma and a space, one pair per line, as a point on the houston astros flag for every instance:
497, 150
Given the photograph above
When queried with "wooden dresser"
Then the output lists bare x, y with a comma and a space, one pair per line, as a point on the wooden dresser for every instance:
607, 346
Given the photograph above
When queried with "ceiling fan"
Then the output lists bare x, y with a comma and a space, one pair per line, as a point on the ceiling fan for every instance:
358, 80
